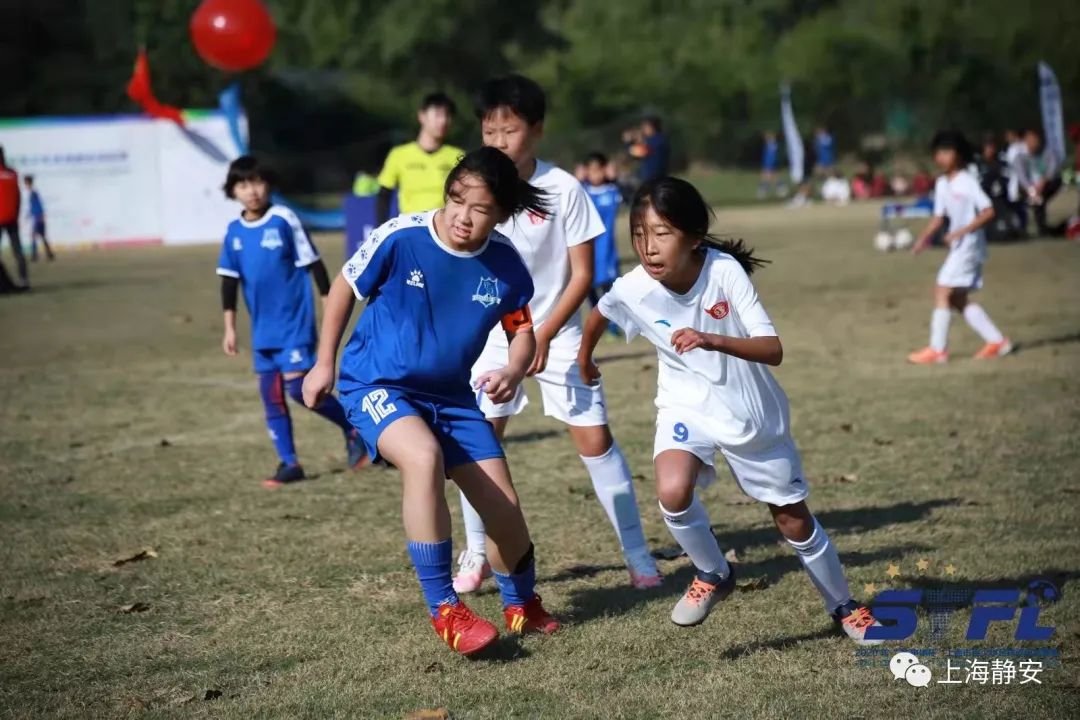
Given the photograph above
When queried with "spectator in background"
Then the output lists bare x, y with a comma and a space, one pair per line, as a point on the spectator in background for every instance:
1072, 228
606, 198
1040, 178
652, 148
418, 170
10, 201
923, 183
826, 153
770, 160
861, 182
1015, 150
37, 221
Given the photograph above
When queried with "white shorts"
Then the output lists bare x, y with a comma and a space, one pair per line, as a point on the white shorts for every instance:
566, 396
770, 472
963, 267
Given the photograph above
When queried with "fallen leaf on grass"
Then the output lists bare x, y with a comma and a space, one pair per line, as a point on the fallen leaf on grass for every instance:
133, 703
208, 694
758, 583
846, 427
639, 478
135, 607
435, 714
882, 441
848, 478
646, 366
731, 557
143, 554
290, 516
212, 694
165, 443
739, 500
435, 667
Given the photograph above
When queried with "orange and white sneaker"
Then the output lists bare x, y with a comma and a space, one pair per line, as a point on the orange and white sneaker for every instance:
995, 350
529, 618
854, 618
928, 356
643, 571
700, 598
461, 629
473, 569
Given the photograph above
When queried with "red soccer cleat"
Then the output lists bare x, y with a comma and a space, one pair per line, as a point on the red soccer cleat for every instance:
461, 629
529, 618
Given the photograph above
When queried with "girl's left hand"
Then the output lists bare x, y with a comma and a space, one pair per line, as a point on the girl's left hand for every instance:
687, 339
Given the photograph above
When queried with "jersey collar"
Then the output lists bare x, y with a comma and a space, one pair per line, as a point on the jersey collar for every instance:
256, 223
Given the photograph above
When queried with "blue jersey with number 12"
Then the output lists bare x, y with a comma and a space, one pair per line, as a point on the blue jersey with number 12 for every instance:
430, 308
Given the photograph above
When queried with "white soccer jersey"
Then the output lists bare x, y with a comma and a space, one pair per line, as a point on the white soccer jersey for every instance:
960, 198
543, 241
741, 398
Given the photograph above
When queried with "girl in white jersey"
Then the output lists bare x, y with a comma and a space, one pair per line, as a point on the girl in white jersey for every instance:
958, 197
692, 298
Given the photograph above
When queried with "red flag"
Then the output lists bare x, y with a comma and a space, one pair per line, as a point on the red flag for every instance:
139, 90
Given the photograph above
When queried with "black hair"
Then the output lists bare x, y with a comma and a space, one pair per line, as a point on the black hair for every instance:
517, 93
498, 172
1037, 132
655, 121
247, 167
440, 100
682, 207
28, 179
596, 157
953, 140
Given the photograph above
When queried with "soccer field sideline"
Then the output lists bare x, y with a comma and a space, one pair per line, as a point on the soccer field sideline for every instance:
300, 604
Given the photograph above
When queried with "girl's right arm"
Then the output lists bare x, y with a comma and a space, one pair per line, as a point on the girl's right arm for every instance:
924, 237
319, 382
590, 336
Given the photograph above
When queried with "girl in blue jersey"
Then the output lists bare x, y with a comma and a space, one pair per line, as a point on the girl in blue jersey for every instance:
436, 284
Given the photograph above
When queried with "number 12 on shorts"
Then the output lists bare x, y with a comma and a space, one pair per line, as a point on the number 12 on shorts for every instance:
682, 434
376, 406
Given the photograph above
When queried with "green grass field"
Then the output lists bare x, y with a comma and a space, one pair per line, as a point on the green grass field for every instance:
124, 428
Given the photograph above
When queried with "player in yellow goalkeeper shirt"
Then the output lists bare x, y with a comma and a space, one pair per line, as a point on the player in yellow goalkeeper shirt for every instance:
417, 170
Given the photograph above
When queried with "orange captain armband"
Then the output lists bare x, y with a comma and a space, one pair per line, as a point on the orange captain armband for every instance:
518, 320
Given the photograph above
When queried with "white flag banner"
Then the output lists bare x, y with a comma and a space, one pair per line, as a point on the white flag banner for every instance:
1052, 115
792, 139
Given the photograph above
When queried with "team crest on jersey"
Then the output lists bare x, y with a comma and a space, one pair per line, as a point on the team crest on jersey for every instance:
236, 245
296, 356
719, 310
271, 239
537, 218
416, 279
487, 292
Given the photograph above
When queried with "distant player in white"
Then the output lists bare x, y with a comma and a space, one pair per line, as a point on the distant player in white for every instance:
958, 197
557, 249
692, 298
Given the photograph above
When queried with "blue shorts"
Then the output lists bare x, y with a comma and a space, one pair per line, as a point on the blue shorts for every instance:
462, 431
298, 359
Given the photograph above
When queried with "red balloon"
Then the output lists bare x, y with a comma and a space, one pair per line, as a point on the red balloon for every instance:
233, 35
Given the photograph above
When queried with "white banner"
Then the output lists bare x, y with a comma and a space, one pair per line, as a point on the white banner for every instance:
792, 139
117, 179
1052, 114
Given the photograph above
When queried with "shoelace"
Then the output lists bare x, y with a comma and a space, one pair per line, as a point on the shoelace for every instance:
461, 616
698, 591
860, 618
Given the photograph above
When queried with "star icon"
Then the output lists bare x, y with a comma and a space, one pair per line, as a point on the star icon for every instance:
950, 569
869, 588
923, 565
893, 571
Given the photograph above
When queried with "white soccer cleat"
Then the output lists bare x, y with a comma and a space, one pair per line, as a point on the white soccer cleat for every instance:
643, 571
473, 567
854, 618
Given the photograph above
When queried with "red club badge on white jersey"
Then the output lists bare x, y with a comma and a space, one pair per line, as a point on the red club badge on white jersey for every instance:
719, 310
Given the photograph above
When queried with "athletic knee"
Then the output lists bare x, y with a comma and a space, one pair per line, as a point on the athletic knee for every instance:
674, 494
793, 521
593, 441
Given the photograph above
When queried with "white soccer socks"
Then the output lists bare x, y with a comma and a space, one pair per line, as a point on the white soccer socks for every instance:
693, 533
939, 328
614, 488
981, 323
475, 539
819, 557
